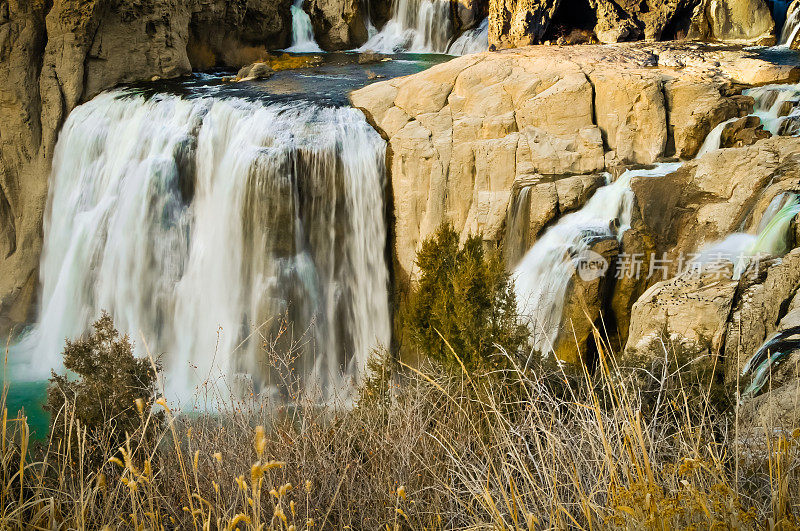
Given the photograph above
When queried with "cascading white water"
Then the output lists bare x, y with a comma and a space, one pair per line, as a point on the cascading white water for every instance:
713, 139
197, 223
790, 27
302, 31
769, 106
419, 26
542, 277
471, 41
741, 249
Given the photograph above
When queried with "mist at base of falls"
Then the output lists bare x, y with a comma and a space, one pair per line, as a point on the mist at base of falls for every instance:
211, 226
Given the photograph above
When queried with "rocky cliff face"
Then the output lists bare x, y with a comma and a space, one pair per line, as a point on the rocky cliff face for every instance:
464, 135
338, 24
467, 136
54, 55
515, 23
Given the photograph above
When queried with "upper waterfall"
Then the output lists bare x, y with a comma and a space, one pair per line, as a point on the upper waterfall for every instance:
302, 31
209, 227
425, 26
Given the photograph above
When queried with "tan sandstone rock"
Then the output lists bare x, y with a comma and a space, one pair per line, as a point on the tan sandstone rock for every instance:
463, 133
684, 318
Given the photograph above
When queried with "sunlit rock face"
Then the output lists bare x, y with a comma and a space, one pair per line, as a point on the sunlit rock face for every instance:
529, 148
466, 134
514, 23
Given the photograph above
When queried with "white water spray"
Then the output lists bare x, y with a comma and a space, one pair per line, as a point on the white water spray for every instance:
790, 27
542, 277
712, 141
769, 106
418, 26
475, 40
771, 238
201, 223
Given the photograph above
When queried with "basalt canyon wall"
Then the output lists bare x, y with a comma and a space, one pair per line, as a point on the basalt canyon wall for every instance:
55, 55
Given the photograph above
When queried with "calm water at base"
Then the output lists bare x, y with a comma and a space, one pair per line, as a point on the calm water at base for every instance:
28, 398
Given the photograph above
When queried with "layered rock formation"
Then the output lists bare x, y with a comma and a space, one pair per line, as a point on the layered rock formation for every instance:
54, 55
504, 144
465, 134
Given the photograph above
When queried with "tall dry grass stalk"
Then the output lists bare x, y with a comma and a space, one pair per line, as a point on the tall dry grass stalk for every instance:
421, 449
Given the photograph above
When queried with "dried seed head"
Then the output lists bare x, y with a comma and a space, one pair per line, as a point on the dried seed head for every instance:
261, 441
140, 406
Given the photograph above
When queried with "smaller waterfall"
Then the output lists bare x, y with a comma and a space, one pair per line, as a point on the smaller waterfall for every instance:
542, 277
517, 221
790, 27
771, 238
712, 141
302, 32
419, 26
471, 41
769, 107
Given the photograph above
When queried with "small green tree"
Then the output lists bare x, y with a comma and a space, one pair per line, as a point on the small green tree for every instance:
467, 296
112, 394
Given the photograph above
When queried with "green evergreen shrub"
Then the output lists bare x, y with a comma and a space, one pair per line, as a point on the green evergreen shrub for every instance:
466, 297
109, 391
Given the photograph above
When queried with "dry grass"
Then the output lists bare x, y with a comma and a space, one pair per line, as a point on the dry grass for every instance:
421, 449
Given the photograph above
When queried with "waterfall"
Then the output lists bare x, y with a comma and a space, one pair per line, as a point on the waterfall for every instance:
471, 41
791, 26
517, 222
419, 26
200, 223
302, 32
770, 106
712, 141
771, 238
542, 277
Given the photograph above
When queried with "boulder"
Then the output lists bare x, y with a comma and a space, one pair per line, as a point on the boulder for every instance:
583, 307
743, 132
469, 13
254, 71
369, 56
514, 23
684, 318
338, 24
733, 20
613, 23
